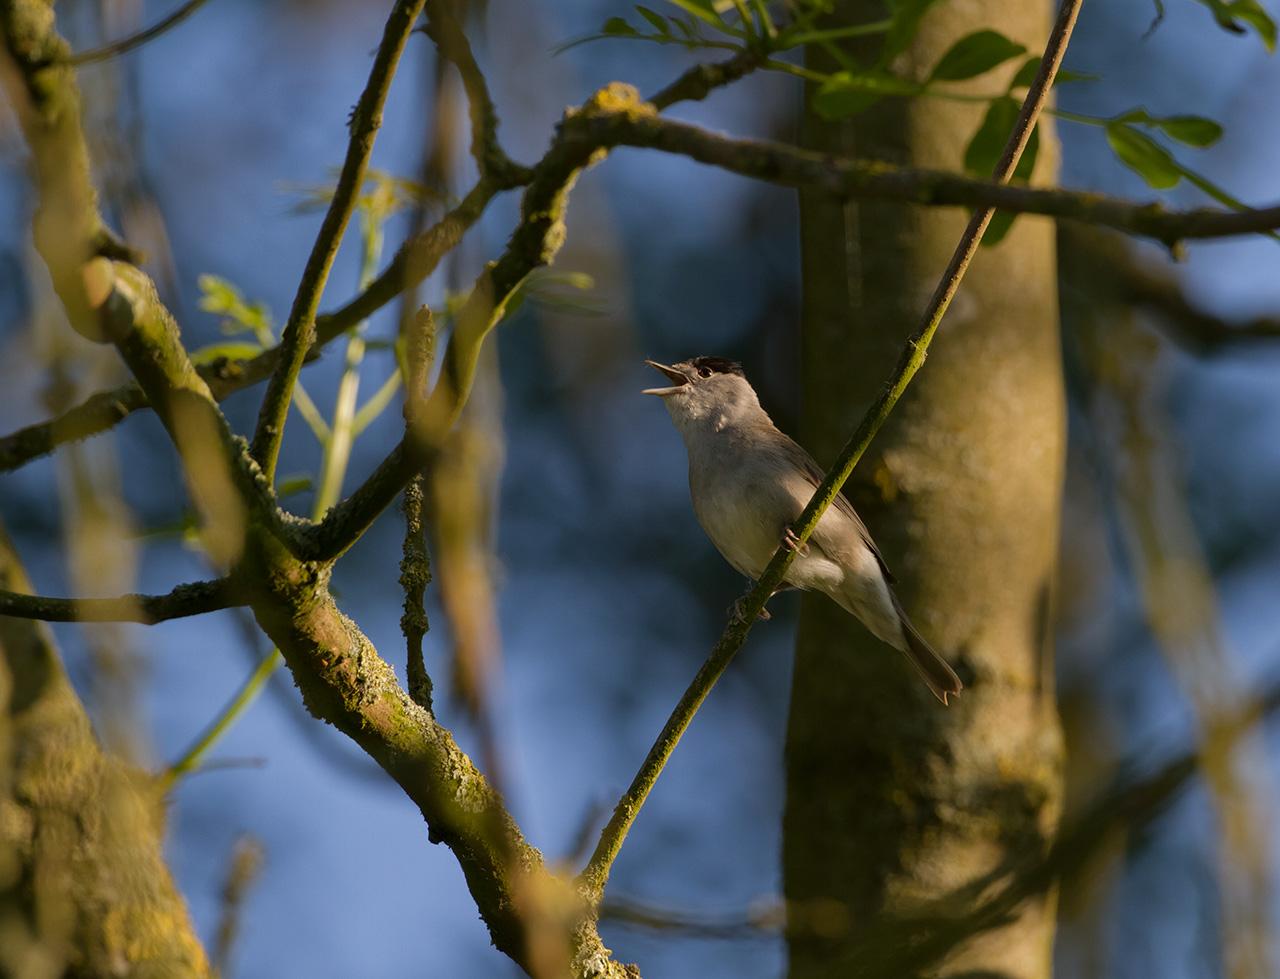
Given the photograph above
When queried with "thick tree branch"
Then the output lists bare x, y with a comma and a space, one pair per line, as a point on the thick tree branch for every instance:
195, 598
596, 874
300, 329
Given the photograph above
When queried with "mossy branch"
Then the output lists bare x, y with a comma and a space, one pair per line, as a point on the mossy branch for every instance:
596, 874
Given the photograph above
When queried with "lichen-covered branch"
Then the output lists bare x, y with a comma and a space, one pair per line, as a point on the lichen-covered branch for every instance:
872, 180
300, 329
195, 598
596, 874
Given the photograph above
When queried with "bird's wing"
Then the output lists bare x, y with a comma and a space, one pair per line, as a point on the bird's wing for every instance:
814, 473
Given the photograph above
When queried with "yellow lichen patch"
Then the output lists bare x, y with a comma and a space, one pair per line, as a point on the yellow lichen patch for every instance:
618, 98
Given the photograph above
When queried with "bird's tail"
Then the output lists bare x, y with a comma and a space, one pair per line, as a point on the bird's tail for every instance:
935, 670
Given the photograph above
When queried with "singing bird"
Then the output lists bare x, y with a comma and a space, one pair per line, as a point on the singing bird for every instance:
749, 483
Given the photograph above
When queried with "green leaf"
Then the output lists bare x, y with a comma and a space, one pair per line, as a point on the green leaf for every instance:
1143, 155
231, 351
1239, 15
292, 485
974, 55
656, 19
704, 10
1002, 221
906, 16
618, 27
1192, 130
846, 94
1027, 74
984, 149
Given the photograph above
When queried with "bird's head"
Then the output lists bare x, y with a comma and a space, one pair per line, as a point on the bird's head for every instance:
708, 391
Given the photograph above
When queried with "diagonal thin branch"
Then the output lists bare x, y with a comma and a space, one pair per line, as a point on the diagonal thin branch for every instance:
702, 79
300, 329
119, 47
195, 598
596, 874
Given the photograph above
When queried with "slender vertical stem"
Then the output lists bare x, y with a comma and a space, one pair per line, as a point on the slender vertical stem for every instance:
248, 692
300, 330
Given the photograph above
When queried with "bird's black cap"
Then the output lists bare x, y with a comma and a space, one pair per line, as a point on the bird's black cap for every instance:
718, 365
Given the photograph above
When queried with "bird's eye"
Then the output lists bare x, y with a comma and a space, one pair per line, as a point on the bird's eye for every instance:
704, 371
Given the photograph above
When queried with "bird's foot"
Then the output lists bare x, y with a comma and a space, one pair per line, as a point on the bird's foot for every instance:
738, 611
791, 542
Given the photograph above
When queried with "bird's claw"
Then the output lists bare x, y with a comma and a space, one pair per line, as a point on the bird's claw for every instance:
738, 611
790, 541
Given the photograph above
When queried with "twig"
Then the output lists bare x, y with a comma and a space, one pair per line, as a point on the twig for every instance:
596, 874
191, 759
700, 80
443, 28
415, 566
136, 40
300, 330
195, 598
246, 864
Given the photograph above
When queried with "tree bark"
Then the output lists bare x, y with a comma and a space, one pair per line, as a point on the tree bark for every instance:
84, 890
893, 802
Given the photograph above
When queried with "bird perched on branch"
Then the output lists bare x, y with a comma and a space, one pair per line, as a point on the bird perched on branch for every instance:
750, 482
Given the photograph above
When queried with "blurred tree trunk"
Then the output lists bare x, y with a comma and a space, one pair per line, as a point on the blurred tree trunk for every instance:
84, 890
893, 800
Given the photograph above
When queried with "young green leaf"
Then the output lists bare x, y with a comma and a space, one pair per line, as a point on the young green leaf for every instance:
618, 27
1140, 153
906, 16
1192, 130
984, 149
231, 351
1238, 15
975, 54
846, 94
704, 10
656, 19
1027, 73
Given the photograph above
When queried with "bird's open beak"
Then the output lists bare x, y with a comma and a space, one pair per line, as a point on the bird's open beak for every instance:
679, 377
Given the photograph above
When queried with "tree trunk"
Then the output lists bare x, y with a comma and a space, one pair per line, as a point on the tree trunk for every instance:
84, 890
894, 802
